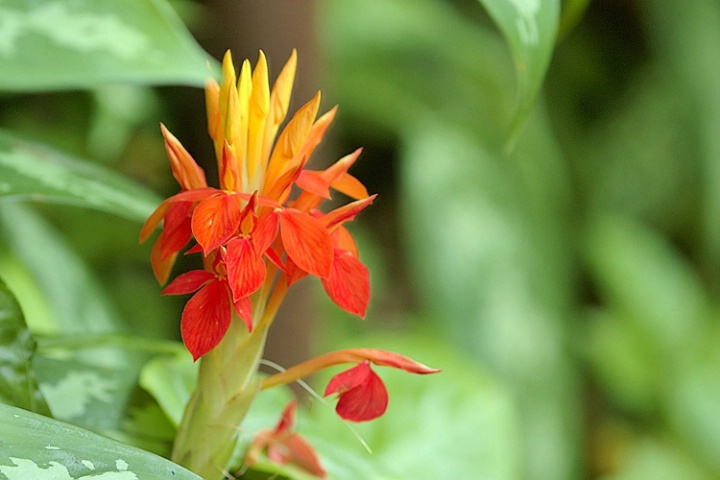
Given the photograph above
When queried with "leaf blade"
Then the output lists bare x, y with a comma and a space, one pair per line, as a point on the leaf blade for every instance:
32, 171
530, 28
85, 43
18, 385
31, 442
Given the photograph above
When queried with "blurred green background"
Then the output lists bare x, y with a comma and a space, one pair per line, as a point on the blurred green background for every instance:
557, 256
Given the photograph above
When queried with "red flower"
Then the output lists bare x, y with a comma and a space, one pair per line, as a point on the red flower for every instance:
362, 394
283, 446
251, 234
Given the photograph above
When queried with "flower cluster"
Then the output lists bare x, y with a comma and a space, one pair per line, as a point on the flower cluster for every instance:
249, 229
258, 232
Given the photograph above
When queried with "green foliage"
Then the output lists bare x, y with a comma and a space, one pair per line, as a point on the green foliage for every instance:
35, 172
35, 446
51, 44
18, 385
577, 271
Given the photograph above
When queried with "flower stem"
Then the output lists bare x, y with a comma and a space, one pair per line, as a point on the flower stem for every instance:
227, 385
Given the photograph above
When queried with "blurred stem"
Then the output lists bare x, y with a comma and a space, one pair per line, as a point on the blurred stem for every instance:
227, 385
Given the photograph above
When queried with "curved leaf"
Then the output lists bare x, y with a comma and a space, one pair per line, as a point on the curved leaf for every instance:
37, 447
36, 172
18, 385
530, 28
54, 44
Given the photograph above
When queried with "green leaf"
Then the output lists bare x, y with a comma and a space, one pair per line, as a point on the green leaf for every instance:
55, 44
35, 172
643, 279
39, 448
77, 304
17, 381
530, 28
170, 380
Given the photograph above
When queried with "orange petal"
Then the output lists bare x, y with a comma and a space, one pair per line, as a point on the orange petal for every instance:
343, 240
184, 168
313, 182
161, 262
205, 319
307, 242
350, 186
154, 220
246, 270
265, 232
291, 140
349, 283
346, 213
215, 220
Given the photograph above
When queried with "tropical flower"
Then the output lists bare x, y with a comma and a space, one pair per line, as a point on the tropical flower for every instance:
362, 395
284, 446
254, 238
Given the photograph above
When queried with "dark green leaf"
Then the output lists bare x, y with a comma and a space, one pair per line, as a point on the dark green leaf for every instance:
39, 173
17, 380
36, 447
55, 44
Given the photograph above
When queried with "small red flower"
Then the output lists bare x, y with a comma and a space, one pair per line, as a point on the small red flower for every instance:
283, 446
363, 395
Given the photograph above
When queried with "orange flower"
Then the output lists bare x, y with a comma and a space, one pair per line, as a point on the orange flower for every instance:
249, 232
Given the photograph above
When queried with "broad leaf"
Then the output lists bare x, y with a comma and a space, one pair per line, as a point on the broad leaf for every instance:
54, 44
17, 381
39, 448
36, 172
530, 28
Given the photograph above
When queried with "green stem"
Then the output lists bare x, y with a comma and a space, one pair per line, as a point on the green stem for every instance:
227, 385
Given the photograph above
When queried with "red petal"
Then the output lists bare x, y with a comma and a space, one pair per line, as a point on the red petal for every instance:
188, 282
195, 195
265, 232
243, 309
307, 242
303, 455
362, 394
215, 220
349, 283
176, 229
348, 379
205, 319
246, 270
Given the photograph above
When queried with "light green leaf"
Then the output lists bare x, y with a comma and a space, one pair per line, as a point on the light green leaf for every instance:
17, 380
39, 448
35, 172
530, 28
55, 44
170, 380
643, 279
